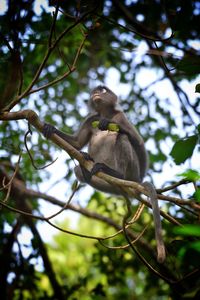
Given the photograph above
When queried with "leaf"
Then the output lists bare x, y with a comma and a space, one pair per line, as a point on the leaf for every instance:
197, 195
111, 126
196, 245
95, 124
74, 185
191, 175
191, 230
197, 88
190, 65
183, 149
198, 128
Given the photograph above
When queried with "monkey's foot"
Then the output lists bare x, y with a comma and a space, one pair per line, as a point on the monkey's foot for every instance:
86, 156
86, 174
101, 167
48, 130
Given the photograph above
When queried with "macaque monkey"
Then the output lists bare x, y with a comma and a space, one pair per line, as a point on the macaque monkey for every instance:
119, 153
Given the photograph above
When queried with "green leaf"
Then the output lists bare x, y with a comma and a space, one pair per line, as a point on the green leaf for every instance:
197, 195
197, 88
191, 175
190, 65
95, 124
111, 126
195, 245
198, 128
74, 185
190, 230
183, 149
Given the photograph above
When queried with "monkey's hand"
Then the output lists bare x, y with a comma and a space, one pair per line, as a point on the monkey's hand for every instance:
101, 167
103, 124
48, 130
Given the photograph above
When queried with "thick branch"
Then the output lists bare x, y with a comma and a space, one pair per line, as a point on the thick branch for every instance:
20, 192
131, 187
34, 120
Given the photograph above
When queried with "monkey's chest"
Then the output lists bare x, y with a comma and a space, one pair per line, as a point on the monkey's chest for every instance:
102, 144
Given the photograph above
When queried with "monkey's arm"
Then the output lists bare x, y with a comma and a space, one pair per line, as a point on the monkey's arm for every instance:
129, 129
77, 140
135, 139
138, 145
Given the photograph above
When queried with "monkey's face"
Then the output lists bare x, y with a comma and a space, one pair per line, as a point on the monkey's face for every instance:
102, 98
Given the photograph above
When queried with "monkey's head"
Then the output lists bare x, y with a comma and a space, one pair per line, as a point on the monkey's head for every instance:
102, 98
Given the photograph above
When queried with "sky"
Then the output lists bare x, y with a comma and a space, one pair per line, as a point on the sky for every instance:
38, 5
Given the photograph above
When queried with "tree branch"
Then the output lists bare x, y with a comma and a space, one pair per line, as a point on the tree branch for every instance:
130, 187
50, 49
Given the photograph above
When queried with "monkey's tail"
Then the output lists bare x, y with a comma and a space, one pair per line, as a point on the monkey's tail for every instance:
161, 255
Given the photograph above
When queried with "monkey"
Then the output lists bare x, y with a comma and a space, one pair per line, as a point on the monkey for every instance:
120, 153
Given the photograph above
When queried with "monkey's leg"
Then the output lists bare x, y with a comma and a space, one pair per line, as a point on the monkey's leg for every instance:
101, 167
98, 167
96, 182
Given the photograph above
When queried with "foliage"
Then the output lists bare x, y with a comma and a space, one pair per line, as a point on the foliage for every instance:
188, 144
197, 88
50, 60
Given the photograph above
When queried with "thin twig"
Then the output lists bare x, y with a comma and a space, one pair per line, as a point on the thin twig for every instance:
9, 184
127, 245
65, 206
29, 153
71, 69
45, 59
173, 186
55, 14
179, 202
127, 28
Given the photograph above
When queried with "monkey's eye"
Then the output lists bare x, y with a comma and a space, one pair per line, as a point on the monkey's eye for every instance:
103, 90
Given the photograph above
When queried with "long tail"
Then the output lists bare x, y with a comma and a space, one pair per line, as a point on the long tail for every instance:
161, 255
